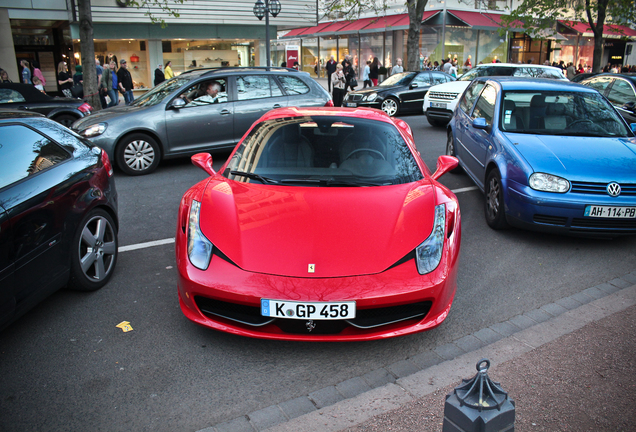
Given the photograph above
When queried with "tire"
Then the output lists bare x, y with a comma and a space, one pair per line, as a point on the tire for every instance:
138, 154
494, 207
390, 106
450, 151
93, 252
435, 122
66, 120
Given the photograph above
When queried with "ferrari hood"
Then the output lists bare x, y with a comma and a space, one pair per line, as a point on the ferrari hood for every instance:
316, 231
578, 158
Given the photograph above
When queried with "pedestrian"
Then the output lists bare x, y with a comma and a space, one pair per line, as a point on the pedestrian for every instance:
447, 65
436, 65
167, 71
26, 72
38, 84
330, 68
468, 64
4, 76
64, 79
78, 77
452, 71
125, 82
570, 71
398, 67
38, 73
422, 61
159, 76
100, 71
339, 82
365, 75
350, 74
109, 84
373, 71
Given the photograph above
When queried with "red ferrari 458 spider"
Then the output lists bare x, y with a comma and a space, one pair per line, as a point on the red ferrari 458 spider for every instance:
323, 225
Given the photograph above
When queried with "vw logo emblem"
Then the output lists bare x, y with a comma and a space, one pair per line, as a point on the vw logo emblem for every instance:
614, 189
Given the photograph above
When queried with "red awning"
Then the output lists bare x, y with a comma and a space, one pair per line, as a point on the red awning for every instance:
333, 28
296, 32
382, 23
609, 30
358, 25
403, 22
315, 29
481, 20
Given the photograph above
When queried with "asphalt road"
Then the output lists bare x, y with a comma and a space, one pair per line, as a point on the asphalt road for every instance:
66, 366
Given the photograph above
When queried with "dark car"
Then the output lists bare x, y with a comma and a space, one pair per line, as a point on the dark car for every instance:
58, 213
199, 110
399, 94
580, 77
619, 89
28, 98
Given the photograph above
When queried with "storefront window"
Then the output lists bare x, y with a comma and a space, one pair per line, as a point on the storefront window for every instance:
371, 45
461, 43
354, 52
430, 43
492, 47
343, 48
568, 50
133, 51
388, 50
309, 57
586, 52
327, 49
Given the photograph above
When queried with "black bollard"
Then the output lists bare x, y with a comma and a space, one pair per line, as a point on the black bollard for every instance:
479, 405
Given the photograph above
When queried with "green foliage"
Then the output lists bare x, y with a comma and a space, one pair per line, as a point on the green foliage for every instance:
164, 5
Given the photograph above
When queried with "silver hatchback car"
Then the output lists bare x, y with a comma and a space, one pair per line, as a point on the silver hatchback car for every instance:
197, 111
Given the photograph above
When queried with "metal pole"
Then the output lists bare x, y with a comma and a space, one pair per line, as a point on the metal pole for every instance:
269, 62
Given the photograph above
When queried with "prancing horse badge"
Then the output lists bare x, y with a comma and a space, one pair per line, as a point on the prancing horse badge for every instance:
312, 268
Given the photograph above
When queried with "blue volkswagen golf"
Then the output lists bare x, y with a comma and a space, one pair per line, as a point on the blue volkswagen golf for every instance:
549, 156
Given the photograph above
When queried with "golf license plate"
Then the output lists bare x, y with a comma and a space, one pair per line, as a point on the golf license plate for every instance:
308, 310
352, 104
438, 105
610, 212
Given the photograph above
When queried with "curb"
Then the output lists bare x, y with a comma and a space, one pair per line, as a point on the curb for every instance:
356, 400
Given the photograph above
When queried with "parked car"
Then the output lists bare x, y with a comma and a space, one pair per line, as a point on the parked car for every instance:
549, 156
401, 93
58, 213
178, 118
441, 100
26, 97
324, 224
580, 77
619, 89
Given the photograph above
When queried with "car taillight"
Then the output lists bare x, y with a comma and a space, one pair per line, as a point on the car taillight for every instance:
329, 103
85, 108
106, 162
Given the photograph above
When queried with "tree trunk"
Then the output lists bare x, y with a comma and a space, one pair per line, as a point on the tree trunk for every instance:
597, 29
87, 48
416, 10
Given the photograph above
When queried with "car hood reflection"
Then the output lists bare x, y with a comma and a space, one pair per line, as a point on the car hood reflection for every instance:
340, 231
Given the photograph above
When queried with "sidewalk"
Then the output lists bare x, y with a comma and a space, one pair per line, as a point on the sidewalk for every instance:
569, 366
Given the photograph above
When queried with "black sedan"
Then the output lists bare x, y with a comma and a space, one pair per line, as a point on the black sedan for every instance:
619, 89
58, 213
401, 93
25, 97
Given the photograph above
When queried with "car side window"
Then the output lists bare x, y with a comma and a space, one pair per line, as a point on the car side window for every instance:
24, 152
422, 79
440, 78
205, 93
599, 83
536, 72
485, 105
470, 96
10, 96
293, 85
256, 87
621, 93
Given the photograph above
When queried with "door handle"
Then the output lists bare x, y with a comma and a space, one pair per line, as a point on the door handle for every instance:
225, 112
23, 107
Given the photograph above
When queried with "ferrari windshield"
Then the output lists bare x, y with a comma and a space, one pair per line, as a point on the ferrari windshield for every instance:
571, 113
324, 151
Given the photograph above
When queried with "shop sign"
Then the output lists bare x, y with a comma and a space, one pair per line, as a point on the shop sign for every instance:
291, 55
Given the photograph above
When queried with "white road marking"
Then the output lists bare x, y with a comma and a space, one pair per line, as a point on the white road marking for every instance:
171, 240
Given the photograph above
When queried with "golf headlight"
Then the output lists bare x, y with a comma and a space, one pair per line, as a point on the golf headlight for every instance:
549, 183
94, 130
371, 97
199, 247
429, 253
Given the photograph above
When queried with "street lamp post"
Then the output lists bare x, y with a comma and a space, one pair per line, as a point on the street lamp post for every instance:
263, 10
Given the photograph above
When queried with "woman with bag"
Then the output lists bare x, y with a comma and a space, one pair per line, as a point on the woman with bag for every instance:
339, 83
64, 79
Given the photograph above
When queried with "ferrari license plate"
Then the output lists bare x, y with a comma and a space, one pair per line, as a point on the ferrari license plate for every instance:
610, 212
308, 310
352, 104
438, 105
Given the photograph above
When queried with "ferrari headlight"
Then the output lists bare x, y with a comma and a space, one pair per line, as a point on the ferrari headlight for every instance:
549, 183
199, 247
94, 130
371, 97
429, 253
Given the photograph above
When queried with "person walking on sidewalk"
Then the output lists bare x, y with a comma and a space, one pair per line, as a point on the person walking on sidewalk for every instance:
397, 68
373, 71
159, 76
331, 68
339, 82
125, 82
168, 70
109, 84
365, 75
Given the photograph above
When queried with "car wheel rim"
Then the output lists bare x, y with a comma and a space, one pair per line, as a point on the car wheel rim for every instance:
139, 155
450, 149
97, 249
493, 198
389, 106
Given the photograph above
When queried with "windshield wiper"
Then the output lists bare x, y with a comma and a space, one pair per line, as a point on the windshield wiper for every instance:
333, 182
254, 176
